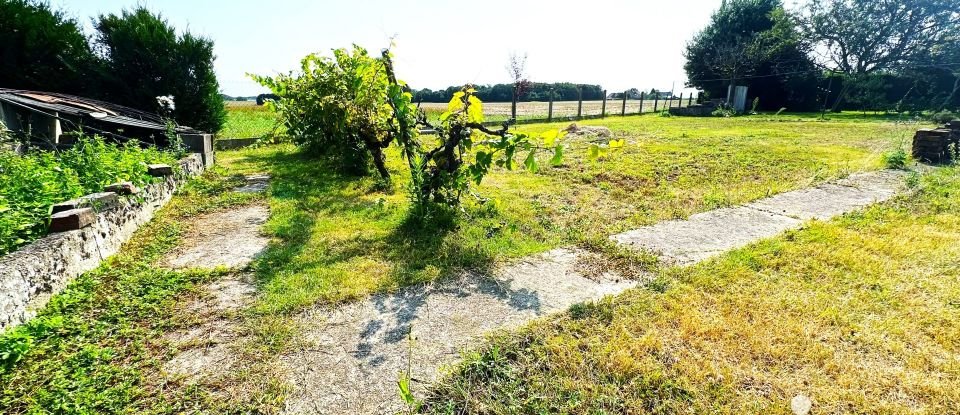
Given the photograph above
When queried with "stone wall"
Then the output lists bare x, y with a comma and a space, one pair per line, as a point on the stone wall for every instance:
35, 272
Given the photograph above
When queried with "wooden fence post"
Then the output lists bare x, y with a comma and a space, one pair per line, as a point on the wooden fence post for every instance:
623, 110
641, 102
579, 101
603, 109
656, 101
690, 100
680, 101
550, 108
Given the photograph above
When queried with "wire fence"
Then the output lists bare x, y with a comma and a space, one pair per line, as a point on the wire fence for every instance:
538, 111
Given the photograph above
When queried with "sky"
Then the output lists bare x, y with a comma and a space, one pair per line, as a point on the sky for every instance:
618, 44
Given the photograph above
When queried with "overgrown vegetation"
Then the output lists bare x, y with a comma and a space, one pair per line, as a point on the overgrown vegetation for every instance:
352, 107
97, 346
859, 313
32, 183
337, 107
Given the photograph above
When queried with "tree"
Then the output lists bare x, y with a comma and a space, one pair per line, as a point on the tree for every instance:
143, 58
863, 36
753, 43
860, 37
338, 107
42, 49
517, 68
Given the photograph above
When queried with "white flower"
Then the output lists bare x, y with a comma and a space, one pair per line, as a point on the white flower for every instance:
166, 102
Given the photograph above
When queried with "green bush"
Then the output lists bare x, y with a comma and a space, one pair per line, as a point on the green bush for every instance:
337, 107
943, 117
896, 159
32, 183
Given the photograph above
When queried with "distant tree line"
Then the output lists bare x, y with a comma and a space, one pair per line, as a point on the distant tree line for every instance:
901, 55
131, 59
535, 91
634, 93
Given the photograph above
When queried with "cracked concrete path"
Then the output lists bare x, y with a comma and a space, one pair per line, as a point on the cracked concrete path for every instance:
706, 234
355, 353
229, 238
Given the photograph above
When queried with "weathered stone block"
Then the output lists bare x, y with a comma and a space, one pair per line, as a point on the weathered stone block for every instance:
202, 144
198, 143
72, 219
159, 170
97, 201
122, 188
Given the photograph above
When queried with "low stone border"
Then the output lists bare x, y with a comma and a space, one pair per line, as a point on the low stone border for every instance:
234, 143
32, 274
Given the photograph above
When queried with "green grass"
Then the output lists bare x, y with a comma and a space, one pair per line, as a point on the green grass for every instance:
248, 121
341, 238
862, 314
97, 347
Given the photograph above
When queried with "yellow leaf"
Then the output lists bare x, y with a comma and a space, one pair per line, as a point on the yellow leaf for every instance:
456, 103
475, 111
617, 143
550, 137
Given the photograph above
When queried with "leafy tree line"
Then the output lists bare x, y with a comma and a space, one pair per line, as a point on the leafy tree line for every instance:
843, 54
132, 58
534, 91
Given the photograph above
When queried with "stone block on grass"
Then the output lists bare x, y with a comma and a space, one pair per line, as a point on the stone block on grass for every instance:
159, 170
122, 188
73, 219
98, 201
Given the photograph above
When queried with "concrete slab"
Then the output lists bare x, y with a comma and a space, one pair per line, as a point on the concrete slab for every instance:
357, 351
706, 234
230, 238
822, 202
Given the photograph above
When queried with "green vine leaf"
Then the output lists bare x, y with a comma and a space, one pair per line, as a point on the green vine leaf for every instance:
531, 161
593, 153
550, 137
557, 158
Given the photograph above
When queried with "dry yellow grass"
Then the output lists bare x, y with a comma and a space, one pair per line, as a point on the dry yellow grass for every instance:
861, 314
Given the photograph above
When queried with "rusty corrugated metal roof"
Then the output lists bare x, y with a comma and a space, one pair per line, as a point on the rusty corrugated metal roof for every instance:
51, 104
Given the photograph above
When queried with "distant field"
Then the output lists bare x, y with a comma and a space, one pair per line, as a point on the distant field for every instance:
231, 104
245, 119
497, 111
